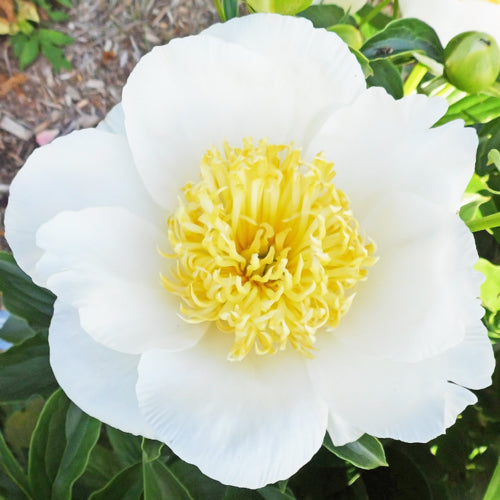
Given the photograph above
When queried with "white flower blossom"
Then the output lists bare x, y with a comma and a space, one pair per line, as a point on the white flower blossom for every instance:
451, 17
223, 288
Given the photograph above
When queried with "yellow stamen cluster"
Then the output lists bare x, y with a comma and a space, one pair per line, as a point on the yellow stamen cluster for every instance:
266, 247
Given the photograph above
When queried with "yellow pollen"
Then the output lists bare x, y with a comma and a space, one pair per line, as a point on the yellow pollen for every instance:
267, 247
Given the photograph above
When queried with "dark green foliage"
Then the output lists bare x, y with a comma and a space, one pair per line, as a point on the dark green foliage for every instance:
387, 75
34, 39
324, 16
21, 297
404, 36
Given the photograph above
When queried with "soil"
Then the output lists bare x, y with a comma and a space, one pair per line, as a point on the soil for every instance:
110, 37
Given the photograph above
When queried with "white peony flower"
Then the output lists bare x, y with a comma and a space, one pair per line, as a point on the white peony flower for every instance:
348, 5
451, 17
221, 291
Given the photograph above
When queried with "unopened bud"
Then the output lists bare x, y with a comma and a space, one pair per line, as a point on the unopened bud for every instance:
472, 61
349, 34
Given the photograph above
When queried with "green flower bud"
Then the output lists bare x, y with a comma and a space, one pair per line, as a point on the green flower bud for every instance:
289, 7
349, 34
472, 61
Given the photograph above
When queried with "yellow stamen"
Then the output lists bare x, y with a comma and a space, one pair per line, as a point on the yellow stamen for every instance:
265, 246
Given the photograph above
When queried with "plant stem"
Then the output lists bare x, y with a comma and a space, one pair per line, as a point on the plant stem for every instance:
376, 10
395, 12
414, 78
434, 85
220, 10
488, 222
445, 91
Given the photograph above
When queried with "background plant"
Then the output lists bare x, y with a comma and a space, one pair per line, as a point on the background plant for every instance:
27, 24
50, 449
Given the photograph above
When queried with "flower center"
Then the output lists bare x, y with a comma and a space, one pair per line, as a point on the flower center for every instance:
267, 247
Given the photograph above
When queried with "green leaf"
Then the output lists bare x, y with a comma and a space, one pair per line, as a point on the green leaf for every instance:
403, 36
8, 489
489, 138
151, 450
22, 297
473, 109
492, 322
16, 330
126, 485
19, 425
25, 370
470, 210
377, 23
47, 445
386, 75
55, 55
490, 289
274, 493
493, 491
230, 8
487, 215
26, 27
233, 493
82, 433
10, 465
282, 485
55, 37
494, 158
126, 447
18, 42
160, 482
404, 479
324, 16
432, 66
199, 485
102, 467
363, 61
476, 194
29, 52
58, 16
366, 453
57, 459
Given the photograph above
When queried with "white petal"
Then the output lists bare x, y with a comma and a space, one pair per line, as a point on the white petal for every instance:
312, 63
380, 145
471, 362
456, 400
245, 424
411, 402
451, 17
114, 121
106, 263
421, 296
196, 92
99, 380
86, 168
341, 431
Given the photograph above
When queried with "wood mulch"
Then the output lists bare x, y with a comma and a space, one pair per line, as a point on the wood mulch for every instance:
110, 37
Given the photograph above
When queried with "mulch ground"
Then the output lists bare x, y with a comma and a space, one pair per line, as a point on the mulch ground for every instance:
110, 37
